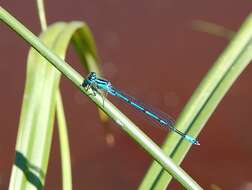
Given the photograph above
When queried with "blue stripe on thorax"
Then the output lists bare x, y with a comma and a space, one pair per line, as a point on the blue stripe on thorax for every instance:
101, 82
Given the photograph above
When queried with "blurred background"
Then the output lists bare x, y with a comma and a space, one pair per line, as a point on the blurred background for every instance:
151, 50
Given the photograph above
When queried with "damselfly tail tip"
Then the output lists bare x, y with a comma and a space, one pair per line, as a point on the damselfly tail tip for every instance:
192, 140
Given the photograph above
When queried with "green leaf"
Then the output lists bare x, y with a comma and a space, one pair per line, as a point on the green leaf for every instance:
203, 102
38, 110
85, 47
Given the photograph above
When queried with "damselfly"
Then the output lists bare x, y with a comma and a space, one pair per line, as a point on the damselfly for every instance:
92, 81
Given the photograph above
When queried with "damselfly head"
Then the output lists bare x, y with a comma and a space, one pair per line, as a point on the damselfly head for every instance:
91, 76
89, 79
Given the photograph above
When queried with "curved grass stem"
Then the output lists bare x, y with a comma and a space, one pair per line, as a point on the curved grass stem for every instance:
204, 101
62, 126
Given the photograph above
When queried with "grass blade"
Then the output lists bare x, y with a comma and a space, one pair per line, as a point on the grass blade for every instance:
36, 121
84, 44
204, 101
37, 115
64, 145
212, 28
62, 127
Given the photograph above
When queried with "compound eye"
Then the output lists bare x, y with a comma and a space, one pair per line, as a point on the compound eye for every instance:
92, 76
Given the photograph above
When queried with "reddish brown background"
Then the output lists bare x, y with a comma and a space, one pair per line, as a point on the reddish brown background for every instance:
149, 49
